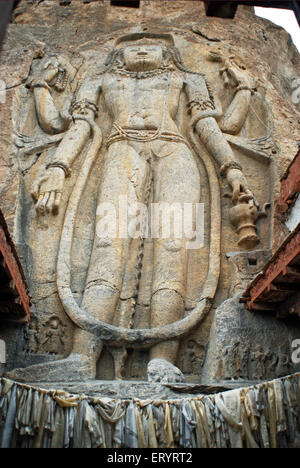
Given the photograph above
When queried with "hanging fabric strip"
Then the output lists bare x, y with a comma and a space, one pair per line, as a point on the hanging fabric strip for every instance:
265, 415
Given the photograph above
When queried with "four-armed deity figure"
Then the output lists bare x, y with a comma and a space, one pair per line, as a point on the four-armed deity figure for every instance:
146, 156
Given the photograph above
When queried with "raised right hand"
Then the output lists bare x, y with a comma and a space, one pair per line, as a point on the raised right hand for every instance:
44, 70
47, 190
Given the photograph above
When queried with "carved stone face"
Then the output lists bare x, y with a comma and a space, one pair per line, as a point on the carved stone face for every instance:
143, 57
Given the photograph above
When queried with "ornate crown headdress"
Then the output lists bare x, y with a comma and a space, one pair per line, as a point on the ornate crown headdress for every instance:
165, 40
162, 39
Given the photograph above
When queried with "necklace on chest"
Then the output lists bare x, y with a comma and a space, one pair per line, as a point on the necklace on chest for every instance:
140, 75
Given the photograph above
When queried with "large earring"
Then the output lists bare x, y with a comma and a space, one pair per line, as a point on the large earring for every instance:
165, 58
61, 80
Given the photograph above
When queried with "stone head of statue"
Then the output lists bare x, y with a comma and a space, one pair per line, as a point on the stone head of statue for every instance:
144, 52
142, 57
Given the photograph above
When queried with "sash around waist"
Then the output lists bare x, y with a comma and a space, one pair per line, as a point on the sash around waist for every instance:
142, 135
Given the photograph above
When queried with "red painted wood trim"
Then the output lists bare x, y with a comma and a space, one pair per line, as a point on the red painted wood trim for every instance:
290, 183
284, 256
12, 265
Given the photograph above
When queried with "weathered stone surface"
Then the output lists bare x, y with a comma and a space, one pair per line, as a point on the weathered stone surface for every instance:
257, 118
77, 367
143, 390
160, 370
247, 345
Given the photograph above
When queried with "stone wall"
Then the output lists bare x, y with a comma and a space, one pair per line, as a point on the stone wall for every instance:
84, 34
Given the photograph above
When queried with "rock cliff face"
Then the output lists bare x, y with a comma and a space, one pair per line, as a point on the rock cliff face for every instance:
81, 36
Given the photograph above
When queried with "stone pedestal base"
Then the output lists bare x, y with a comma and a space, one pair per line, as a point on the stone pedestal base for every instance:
127, 389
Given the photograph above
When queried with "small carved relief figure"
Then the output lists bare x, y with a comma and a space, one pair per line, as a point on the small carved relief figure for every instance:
148, 160
32, 336
283, 364
53, 342
270, 363
244, 356
119, 356
136, 368
236, 360
190, 360
226, 364
257, 364
232, 362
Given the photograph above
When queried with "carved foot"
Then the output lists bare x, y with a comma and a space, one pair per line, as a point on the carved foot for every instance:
119, 357
74, 368
160, 370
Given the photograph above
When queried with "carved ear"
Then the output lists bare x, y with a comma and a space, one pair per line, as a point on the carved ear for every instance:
61, 80
113, 56
177, 55
109, 58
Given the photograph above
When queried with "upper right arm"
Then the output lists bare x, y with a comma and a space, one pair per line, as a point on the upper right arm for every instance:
89, 90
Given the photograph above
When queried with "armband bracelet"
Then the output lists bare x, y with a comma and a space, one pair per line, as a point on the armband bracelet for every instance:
201, 106
62, 166
81, 107
40, 84
230, 165
245, 88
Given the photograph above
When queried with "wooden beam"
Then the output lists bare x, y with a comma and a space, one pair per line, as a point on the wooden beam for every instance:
266, 287
220, 9
6, 10
12, 267
263, 306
